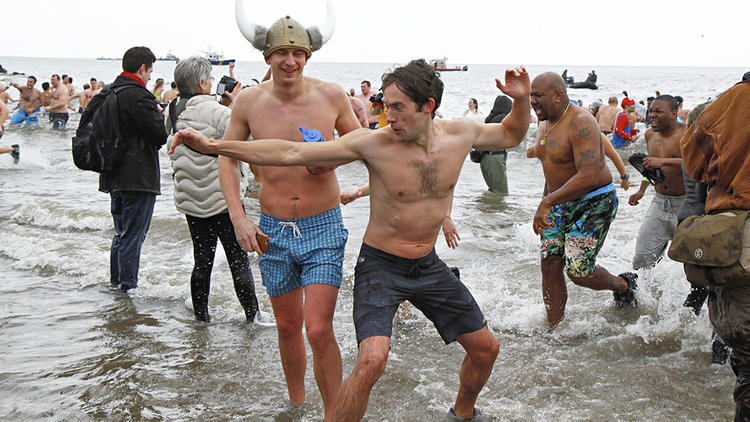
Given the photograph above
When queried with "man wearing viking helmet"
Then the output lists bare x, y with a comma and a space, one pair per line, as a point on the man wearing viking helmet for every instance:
299, 205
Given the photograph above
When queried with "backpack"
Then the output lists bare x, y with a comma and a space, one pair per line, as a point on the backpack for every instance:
714, 248
98, 145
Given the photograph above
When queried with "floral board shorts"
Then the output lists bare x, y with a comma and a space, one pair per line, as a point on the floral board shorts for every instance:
580, 229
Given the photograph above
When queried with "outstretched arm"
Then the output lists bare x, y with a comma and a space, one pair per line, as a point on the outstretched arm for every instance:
512, 130
277, 152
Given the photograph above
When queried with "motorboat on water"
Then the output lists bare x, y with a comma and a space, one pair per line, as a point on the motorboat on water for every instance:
217, 58
169, 57
441, 66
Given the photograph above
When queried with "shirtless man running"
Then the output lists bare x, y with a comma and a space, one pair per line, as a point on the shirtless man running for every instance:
302, 269
663, 144
414, 164
83, 98
58, 110
579, 199
28, 103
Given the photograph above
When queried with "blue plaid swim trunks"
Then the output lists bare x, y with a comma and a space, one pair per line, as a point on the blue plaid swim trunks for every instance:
303, 251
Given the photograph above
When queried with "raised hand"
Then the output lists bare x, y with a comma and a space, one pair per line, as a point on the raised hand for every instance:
517, 84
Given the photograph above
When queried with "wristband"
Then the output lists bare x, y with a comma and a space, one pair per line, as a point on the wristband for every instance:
625, 176
359, 193
646, 179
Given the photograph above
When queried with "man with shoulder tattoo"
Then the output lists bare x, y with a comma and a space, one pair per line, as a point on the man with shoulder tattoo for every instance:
579, 199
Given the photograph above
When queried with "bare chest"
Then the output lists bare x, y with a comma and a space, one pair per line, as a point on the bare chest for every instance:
664, 147
29, 95
283, 121
408, 178
554, 148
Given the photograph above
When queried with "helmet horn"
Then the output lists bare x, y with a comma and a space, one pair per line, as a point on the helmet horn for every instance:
254, 33
318, 37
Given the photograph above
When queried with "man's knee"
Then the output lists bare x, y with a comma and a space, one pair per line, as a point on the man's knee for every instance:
288, 327
319, 335
372, 359
488, 351
482, 347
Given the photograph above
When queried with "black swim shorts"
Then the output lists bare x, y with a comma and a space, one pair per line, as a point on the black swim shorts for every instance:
382, 281
58, 120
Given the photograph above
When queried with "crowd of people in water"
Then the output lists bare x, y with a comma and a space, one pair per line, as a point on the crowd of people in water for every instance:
413, 159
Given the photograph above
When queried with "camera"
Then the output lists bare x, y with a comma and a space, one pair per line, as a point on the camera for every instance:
377, 99
226, 84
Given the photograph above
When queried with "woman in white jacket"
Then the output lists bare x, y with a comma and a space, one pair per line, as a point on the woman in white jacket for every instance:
197, 192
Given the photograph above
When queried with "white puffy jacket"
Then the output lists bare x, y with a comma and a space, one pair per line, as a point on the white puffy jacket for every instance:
197, 191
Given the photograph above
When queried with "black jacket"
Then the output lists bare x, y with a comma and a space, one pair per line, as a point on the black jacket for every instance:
143, 127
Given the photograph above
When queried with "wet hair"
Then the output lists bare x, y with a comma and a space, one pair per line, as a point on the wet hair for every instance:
32, 77
92, 80
190, 72
70, 79
366, 83
419, 81
679, 99
173, 84
55, 75
137, 56
45, 85
86, 86
670, 100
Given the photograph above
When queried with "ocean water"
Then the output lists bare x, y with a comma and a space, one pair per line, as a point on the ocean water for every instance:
74, 350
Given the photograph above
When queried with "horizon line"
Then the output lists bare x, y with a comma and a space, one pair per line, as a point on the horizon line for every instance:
387, 63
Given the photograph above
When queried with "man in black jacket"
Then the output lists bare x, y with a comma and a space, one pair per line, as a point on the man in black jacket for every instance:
134, 183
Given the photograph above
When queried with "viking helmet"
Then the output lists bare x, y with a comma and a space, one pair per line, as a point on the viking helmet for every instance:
285, 32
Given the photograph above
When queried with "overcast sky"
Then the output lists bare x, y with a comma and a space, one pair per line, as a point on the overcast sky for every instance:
598, 32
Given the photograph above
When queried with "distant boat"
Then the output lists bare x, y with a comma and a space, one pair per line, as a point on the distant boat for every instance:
217, 58
169, 57
441, 66
107, 58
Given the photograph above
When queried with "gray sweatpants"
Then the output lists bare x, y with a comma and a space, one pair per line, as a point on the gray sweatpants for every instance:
656, 230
